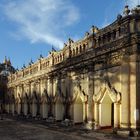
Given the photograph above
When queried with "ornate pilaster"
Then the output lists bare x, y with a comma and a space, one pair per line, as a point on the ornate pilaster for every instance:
116, 115
90, 100
134, 91
96, 116
125, 89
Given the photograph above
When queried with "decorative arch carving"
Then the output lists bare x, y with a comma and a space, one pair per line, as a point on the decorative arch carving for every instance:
111, 91
80, 94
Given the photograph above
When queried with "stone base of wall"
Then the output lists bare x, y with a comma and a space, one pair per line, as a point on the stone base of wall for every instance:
127, 132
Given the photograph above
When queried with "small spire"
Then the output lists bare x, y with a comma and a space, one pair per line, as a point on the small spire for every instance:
94, 29
70, 41
126, 10
41, 56
17, 68
8, 61
65, 45
5, 60
24, 66
86, 34
31, 62
53, 49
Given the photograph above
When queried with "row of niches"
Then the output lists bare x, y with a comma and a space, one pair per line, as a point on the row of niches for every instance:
112, 35
45, 64
123, 29
78, 50
58, 58
73, 51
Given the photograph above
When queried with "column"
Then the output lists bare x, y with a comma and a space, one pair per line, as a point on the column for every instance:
96, 115
90, 100
85, 112
21, 91
125, 90
29, 101
134, 91
116, 115
50, 92
49, 86
15, 95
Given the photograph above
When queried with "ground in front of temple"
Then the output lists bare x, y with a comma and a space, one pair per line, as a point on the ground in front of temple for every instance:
17, 129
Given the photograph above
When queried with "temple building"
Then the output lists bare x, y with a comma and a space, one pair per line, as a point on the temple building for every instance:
94, 81
5, 70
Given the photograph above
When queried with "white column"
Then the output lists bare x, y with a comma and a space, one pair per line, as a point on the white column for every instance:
85, 112
90, 100
125, 90
116, 115
96, 115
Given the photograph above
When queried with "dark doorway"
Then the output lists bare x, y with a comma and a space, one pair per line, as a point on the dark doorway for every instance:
112, 114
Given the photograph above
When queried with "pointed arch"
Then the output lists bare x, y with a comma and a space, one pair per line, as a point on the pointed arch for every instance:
113, 94
109, 99
80, 94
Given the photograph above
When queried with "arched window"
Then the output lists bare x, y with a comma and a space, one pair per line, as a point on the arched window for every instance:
60, 57
114, 34
80, 48
73, 52
103, 38
109, 36
119, 30
99, 40
55, 60
84, 48
76, 50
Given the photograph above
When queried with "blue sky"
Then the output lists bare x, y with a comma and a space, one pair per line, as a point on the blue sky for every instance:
29, 28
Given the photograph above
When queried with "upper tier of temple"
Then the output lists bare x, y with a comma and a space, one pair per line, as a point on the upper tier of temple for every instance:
125, 24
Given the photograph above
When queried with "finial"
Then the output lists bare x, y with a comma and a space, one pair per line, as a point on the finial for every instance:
5, 60
8, 61
31, 61
86, 34
53, 49
94, 29
119, 17
41, 56
70, 41
126, 10
17, 69
23, 66
65, 44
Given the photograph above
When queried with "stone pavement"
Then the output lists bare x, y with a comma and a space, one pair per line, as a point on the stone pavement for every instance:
12, 129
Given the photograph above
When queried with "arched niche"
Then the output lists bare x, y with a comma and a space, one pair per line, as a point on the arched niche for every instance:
107, 107
25, 106
17, 105
78, 110
59, 110
44, 107
12, 104
79, 106
34, 106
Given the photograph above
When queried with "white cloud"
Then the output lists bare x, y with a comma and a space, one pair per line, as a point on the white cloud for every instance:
107, 21
133, 3
42, 20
